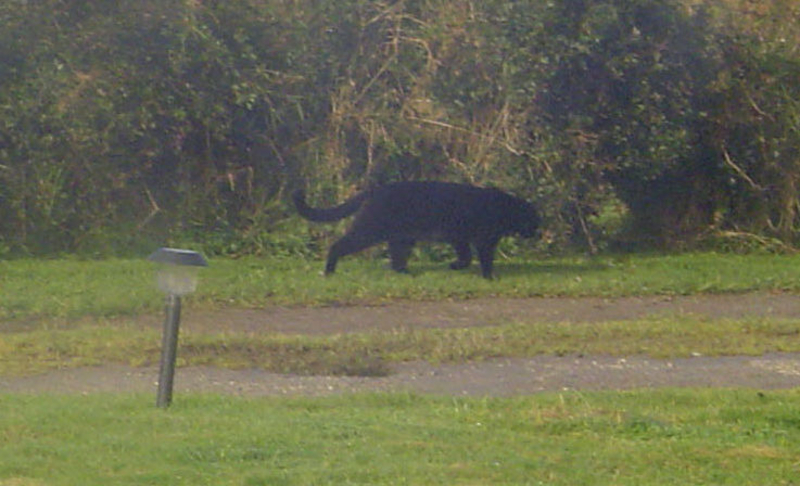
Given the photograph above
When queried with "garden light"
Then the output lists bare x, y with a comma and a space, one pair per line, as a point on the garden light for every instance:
176, 276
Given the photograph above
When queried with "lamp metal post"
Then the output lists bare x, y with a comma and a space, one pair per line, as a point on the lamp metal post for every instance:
176, 277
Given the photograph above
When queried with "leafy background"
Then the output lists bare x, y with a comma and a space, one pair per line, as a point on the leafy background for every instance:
629, 122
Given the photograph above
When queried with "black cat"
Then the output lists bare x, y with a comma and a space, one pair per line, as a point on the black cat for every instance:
405, 212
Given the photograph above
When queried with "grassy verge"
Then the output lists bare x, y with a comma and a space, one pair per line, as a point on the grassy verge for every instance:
370, 354
636, 438
44, 289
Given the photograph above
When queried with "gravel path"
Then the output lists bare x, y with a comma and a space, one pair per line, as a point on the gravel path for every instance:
497, 377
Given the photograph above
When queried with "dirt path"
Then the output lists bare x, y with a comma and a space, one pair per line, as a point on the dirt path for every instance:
486, 312
499, 377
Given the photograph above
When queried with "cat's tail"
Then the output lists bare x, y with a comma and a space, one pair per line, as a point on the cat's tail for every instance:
322, 215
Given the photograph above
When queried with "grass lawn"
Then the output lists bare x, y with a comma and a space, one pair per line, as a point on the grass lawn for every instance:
87, 293
639, 438
687, 436
70, 288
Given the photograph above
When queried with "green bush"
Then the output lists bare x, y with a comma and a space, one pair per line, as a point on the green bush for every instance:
130, 122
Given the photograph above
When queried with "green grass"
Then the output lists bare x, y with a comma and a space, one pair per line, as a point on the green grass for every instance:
638, 437
70, 288
65, 308
371, 353
630, 438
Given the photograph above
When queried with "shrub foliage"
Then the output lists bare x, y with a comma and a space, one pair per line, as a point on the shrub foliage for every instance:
144, 118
